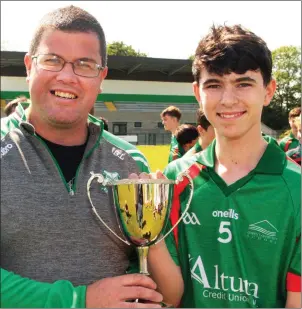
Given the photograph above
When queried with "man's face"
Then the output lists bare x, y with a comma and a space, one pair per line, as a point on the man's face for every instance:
170, 123
63, 99
233, 102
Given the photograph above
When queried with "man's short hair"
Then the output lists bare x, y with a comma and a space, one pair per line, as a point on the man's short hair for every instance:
186, 133
295, 112
202, 119
226, 50
70, 19
171, 111
10, 107
105, 123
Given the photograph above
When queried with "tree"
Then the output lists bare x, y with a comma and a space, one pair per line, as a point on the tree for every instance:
121, 49
287, 72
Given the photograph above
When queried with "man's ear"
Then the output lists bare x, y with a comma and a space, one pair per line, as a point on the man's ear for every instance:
103, 75
270, 91
28, 64
196, 92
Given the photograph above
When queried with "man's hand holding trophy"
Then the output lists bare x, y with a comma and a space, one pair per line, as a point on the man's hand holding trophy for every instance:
142, 204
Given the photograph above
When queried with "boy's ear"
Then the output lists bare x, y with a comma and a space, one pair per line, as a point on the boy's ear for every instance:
200, 130
270, 91
196, 91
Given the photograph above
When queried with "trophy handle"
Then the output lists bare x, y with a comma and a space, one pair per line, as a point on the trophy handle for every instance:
100, 179
178, 180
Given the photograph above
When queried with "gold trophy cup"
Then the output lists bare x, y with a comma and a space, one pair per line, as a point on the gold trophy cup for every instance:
142, 207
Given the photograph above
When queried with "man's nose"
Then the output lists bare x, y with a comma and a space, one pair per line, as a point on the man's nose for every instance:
67, 74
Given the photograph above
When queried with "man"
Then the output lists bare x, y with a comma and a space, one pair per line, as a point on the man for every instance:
186, 136
48, 231
170, 119
291, 141
206, 134
239, 244
11, 106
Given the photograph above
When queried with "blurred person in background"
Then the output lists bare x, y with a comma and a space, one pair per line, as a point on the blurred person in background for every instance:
171, 120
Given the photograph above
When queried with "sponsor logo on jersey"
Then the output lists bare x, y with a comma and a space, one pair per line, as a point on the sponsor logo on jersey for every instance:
231, 213
6, 149
118, 153
263, 230
219, 285
191, 218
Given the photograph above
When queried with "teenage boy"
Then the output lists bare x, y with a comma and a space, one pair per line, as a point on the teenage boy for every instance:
239, 243
170, 119
291, 141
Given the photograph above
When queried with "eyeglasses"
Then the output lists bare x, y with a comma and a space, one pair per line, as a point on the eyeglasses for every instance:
54, 63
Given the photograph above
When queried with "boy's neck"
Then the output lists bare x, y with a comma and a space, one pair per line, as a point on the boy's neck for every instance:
203, 143
236, 158
174, 129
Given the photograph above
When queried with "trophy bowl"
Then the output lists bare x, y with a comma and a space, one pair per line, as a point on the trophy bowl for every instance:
142, 207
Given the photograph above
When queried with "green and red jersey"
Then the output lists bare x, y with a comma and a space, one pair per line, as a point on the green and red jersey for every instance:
176, 151
289, 142
239, 244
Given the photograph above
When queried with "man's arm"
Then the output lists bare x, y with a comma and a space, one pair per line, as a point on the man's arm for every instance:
293, 300
20, 292
17, 291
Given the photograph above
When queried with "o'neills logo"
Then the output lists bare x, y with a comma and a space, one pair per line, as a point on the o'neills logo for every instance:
5, 149
225, 214
221, 285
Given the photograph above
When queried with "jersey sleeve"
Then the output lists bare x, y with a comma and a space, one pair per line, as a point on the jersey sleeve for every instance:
293, 280
17, 291
170, 173
294, 271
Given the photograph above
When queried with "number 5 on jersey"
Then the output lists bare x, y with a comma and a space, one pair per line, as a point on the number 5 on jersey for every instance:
224, 230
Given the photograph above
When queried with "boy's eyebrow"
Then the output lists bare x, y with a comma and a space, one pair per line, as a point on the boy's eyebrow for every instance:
245, 79
237, 80
211, 81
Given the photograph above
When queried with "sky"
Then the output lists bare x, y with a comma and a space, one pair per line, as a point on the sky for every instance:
161, 29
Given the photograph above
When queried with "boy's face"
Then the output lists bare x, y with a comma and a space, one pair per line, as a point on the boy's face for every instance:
296, 126
170, 123
293, 122
233, 102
